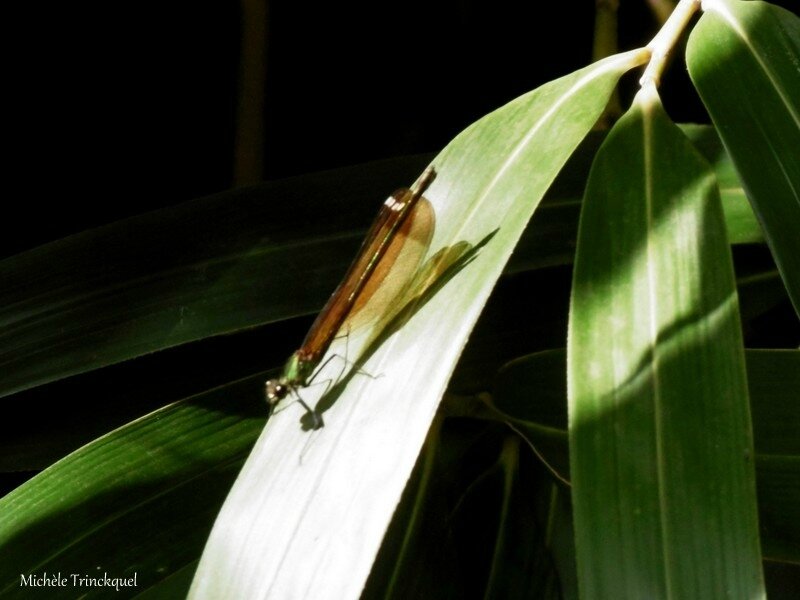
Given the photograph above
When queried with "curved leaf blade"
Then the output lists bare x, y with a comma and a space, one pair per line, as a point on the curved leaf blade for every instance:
313, 528
659, 428
531, 395
743, 58
206, 267
156, 484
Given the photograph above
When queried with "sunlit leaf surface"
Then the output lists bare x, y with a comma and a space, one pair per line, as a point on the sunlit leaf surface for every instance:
309, 510
659, 427
744, 59
531, 395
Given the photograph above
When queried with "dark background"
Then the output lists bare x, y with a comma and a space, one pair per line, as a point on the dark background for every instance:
120, 108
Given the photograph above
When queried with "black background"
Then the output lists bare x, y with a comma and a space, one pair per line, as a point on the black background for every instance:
114, 108
120, 108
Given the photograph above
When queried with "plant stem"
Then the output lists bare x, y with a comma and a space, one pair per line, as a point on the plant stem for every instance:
662, 9
248, 161
605, 29
605, 44
665, 40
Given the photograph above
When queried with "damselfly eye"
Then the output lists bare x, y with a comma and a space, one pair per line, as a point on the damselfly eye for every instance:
275, 391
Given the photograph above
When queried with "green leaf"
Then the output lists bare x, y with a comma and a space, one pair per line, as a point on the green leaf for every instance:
217, 265
207, 267
740, 222
550, 237
743, 58
659, 427
531, 395
308, 511
139, 500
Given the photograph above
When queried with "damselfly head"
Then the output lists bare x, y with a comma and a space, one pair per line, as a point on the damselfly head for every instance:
275, 390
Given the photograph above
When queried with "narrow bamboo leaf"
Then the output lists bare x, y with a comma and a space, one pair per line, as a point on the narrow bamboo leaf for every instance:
740, 221
743, 58
218, 264
308, 512
531, 395
211, 266
550, 237
139, 500
659, 427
